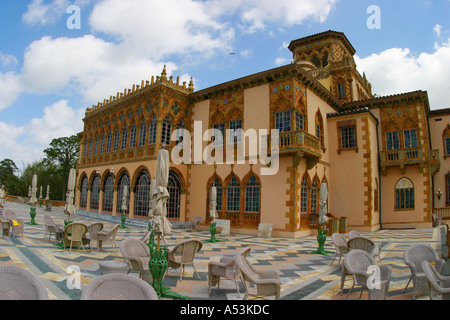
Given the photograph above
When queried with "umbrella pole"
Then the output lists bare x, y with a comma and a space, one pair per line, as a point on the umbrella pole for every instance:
158, 266
32, 215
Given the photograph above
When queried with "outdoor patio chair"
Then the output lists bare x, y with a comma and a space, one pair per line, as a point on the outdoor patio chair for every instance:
51, 227
6, 227
439, 285
364, 244
183, 254
73, 234
340, 244
259, 284
227, 269
118, 286
194, 224
20, 284
17, 224
108, 235
357, 263
146, 237
137, 254
437, 221
413, 257
92, 232
353, 234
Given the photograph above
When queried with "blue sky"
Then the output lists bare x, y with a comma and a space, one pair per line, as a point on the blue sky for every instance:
49, 74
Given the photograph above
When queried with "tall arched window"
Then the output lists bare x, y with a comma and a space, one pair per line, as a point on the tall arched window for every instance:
152, 131
116, 140
124, 138
174, 188
304, 196
109, 142
123, 181
142, 133
404, 194
180, 135
133, 133
96, 145
102, 144
166, 131
142, 195
84, 192
95, 192
108, 194
314, 193
252, 195
233, 195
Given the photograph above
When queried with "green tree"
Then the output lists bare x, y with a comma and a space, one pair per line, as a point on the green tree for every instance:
62, 155
8, 177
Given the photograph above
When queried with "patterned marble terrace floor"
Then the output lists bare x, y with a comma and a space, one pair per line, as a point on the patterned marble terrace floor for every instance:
304, 276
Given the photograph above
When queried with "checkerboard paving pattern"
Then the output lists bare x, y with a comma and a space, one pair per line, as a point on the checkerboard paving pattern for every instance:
304, 276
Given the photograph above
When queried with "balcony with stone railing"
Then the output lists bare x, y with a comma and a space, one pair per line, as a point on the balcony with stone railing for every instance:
410, 156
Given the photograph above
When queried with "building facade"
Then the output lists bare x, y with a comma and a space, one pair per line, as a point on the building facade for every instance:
384, 159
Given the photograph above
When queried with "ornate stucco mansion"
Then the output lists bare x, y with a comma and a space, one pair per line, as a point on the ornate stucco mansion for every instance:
384, 159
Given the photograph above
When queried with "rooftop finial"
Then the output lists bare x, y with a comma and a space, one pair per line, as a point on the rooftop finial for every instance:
164, 74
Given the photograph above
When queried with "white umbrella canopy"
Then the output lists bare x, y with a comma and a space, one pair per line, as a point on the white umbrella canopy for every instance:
323, 204
47, 196
33, 198
213, 204
70, 194
124, 206
40, 192
161, 225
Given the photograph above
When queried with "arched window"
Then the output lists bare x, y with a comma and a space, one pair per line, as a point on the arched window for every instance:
152, 132
123, 181
142, 133
233, 195
174, 188
142, 195
95, 192
133, 136
108, 194
84, 192
180, 134
314, 193
304, 196
108, 142
102, 144
404, 194
96, 145
124, 138
90, 147
166, 131
252, 198
116, 140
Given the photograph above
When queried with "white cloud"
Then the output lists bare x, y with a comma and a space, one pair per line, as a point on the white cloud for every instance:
281, 61
10, 89
43, 14
398, 70
437, 29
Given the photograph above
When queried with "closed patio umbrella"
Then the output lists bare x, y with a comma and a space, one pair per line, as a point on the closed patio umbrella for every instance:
323, 204
160, 224
213, 204
33, 198
47, 196
124, 206
69, 208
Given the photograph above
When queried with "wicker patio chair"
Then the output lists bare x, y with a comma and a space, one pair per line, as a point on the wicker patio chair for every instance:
225, 268
353, 234
183, 254
194, 224
439, 285
20, 284
108, 235
73, 234
146, 237
17, 227
118, 286
437, 221
258, 284
137, 254
413, 257
357, 263
340, 244
6, 227
51, 227
365, 244
92, 232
